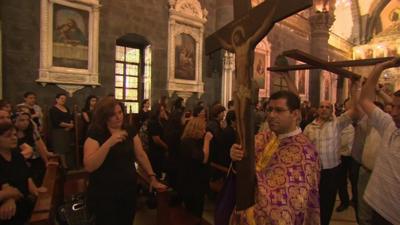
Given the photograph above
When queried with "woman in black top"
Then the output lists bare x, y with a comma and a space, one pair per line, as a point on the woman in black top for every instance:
110, 152
157, 146
28, 137
193, 171
15, 180
87, 113
62, 124
144, 112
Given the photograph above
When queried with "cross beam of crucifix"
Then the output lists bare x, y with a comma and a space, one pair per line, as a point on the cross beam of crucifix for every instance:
312, 62
241, 37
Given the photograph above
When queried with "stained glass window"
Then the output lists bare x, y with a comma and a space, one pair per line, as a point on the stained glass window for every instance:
132, 69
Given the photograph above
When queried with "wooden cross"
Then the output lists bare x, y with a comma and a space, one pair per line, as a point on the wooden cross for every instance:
312, 62
241, 37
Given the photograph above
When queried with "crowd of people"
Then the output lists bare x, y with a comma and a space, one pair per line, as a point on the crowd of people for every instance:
304, 155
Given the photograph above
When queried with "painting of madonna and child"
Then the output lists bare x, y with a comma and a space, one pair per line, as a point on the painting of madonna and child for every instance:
185, 57
70, 37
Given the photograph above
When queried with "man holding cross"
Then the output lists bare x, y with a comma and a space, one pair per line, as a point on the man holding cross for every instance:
382, 192
287, 169
241, 36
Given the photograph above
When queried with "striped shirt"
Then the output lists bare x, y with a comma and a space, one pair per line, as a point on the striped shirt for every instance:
382, 192
326, 138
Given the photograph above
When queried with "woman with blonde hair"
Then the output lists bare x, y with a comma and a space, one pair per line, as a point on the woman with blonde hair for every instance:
194, 155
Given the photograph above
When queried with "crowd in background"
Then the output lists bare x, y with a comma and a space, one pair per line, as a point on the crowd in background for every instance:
176, 145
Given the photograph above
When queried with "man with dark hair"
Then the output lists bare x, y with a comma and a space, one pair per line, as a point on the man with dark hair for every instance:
287, 169
382, 192
324, 132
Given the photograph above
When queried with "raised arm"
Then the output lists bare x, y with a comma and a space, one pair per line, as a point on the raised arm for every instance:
368, 92
354, 112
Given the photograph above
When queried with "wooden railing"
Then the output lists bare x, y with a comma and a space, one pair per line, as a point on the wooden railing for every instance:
170, 215
46, 204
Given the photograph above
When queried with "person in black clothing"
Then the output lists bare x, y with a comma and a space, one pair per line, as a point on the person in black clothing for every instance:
157, 146
62, 124
172, 134
28, 138
193, 172
214, 126
110, 152
16, 184
87, 112
228, 136
144, 112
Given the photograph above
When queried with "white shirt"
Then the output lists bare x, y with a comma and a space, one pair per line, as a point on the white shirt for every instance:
326, 137
383, 190
372, 145
346, 140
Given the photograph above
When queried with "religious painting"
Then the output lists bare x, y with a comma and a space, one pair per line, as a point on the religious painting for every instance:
70, 37
261, 62
326, 86
259, 69
69, 43
185, 53
302, 79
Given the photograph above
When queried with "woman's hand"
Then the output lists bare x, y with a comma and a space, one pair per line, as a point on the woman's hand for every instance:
12, 192
154, 183
236, 152
39, 190
8, 209
208, 136
117, 137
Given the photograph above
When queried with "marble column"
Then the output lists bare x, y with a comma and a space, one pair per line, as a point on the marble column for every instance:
320, 24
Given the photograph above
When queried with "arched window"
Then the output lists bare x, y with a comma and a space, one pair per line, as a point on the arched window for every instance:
132, 71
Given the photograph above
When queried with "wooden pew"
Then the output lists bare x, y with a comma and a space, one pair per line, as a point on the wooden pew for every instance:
47, 203
170, 215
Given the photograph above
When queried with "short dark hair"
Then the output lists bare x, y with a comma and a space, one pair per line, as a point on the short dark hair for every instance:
230, 118
4, 103
61, 94
216, 110
292, 100
6, 126
26, 94
379, 105
231, 103
397, 93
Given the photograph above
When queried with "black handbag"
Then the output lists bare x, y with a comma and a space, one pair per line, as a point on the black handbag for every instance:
75, 212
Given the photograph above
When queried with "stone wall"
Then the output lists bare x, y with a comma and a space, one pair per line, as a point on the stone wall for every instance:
21, 38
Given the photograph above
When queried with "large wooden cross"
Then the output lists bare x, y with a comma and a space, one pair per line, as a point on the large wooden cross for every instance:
241, 36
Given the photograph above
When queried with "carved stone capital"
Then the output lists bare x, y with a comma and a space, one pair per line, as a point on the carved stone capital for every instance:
321, 21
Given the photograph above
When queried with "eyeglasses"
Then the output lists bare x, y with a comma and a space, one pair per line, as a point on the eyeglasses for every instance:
277, 110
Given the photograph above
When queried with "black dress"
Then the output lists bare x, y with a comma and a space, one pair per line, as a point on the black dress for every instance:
193, 175
61, 139
157, 154
112, 187
16, 173
35, 163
